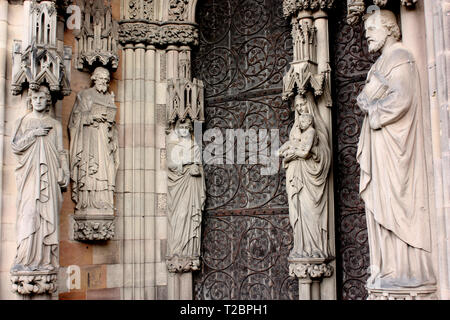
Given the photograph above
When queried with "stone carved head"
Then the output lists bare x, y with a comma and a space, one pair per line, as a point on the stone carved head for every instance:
39, 100
183, 128
101, 78
380, 27
305, 120
301, 104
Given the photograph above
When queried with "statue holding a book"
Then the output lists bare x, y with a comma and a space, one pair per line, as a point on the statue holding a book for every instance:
94, 147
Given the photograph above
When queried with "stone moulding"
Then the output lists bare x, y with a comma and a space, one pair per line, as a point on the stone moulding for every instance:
157, 34
405, 294
34, 282
90, 228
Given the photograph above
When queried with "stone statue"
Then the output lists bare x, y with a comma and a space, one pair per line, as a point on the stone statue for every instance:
307, 158
391, 155
43, 170
94, 147
186, 198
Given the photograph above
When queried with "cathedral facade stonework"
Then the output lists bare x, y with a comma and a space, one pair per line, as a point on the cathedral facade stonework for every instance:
200, 149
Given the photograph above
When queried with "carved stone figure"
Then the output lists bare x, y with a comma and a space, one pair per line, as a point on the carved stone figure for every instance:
186, 198
94, 147
307, 158
178, 10
393, 181
43, 170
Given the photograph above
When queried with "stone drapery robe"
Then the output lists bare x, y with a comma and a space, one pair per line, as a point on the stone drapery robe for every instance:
306, 186
39, 176
93, 152
393, 182
186, 199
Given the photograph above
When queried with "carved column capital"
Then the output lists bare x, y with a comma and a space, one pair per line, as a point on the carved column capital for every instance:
158, 34
292, 7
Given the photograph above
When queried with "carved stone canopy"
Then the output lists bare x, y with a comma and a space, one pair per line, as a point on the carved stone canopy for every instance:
97, 40
38, 65
38, 60
185, 96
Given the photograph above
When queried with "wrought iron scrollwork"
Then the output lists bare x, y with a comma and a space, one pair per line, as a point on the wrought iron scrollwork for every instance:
245, 48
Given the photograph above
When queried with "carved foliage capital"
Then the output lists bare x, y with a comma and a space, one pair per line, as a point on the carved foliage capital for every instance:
291, 7
158, 34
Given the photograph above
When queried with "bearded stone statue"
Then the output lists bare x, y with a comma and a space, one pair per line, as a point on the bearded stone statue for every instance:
94, 147
391, 154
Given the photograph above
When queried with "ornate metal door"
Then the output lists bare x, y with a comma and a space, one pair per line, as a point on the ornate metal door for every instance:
244, 51
350, 63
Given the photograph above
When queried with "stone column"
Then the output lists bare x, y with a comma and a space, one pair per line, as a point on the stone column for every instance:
136, 181
151, 42
3, 55
438, 62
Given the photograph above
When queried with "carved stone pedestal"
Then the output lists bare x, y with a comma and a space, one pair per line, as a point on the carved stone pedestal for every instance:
310, 272
428, 293
93, 227
182, 264
34, 282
